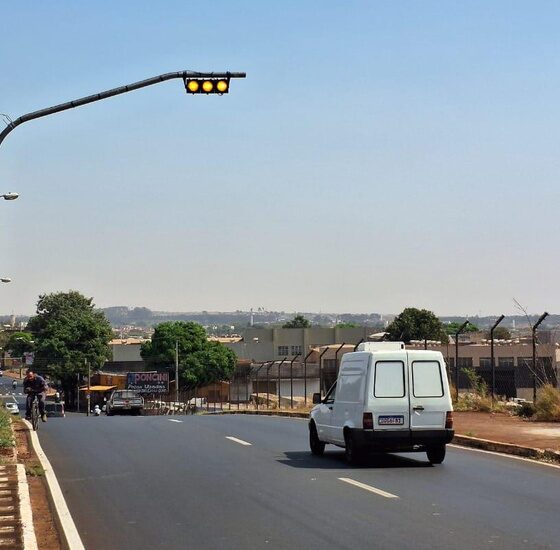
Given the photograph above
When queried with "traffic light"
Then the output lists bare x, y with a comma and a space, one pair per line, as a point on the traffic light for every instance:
207, 85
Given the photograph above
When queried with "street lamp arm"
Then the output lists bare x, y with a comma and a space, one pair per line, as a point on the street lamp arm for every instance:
110, 93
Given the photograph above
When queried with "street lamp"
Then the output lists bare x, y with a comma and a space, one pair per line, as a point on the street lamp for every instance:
10, 196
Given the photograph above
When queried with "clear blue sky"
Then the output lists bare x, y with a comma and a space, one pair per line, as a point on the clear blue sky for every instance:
379, 155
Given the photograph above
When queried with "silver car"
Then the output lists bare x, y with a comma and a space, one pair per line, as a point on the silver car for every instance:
125, 401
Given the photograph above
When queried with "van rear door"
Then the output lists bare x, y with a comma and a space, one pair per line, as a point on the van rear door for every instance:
429, 391
389, 391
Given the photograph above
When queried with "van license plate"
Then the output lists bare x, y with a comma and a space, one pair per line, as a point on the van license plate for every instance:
390, 420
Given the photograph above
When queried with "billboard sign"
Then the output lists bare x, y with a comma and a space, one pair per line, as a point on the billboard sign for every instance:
148, 382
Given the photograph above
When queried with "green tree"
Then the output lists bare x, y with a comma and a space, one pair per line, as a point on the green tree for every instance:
299, 321
19, 343
69, 333
416, 324
346, 325
452, 328
200, 361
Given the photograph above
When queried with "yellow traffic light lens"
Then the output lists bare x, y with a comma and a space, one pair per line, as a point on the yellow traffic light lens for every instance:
222, 86
193, 86
207, 86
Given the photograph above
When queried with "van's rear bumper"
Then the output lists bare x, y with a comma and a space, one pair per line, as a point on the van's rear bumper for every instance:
401, 440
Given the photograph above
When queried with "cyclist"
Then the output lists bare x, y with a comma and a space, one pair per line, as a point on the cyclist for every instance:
35, 387
14, 385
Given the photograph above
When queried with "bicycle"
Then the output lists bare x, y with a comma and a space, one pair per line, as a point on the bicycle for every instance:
35, 413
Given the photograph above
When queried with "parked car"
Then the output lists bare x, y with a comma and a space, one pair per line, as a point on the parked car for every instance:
12, 407
385, 399
124, 401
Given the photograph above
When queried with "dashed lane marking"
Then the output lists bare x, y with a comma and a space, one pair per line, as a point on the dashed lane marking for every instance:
236, 440
368, 487
173, 420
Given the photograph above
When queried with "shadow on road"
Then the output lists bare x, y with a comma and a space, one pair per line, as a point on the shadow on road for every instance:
335, 461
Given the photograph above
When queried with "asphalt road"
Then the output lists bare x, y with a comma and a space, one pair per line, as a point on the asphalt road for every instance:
179, 482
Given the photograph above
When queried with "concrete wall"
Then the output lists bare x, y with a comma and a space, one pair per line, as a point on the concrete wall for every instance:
126, 352
266, 344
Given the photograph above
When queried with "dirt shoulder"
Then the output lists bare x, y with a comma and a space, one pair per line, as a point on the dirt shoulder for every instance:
508, 429
45, 528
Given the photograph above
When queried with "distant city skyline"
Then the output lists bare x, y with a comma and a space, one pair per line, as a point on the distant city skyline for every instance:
378, 155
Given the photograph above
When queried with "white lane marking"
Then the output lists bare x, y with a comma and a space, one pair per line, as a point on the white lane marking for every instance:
504, 455
368, 487
173, 420
240, 441
69, 531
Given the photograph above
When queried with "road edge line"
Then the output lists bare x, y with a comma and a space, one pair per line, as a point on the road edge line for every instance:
25, 512
69, 535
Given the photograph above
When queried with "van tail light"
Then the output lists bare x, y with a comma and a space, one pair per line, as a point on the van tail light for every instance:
368, 421
449, 420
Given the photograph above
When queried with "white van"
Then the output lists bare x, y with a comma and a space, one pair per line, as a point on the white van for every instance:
386, 398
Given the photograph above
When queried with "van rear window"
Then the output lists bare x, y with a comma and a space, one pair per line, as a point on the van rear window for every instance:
426, 379
389, 379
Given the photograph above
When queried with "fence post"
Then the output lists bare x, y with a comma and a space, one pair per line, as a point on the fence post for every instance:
492, 359
534, 339
305, 377
292, 381
279, 372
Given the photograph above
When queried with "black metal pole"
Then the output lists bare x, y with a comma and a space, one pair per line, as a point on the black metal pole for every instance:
534, 334
292, 381
279, 372
356, 346
111, 93
321, 369
492, 360
305, 377
336, 356
257, 384
459, 330
268, 383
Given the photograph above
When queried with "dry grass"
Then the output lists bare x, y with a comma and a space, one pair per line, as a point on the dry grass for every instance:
547, 406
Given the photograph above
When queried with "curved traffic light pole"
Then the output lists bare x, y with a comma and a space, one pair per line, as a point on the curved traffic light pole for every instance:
110, 93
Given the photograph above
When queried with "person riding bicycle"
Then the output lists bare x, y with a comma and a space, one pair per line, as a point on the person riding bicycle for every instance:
14, 385
35, 387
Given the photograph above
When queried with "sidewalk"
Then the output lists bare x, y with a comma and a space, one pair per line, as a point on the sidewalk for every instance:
508, 429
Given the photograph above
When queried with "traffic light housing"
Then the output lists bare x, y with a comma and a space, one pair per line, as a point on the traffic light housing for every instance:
207, 85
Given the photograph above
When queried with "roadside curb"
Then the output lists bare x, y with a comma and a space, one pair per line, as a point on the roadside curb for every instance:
547, 455
69, 535
25, 512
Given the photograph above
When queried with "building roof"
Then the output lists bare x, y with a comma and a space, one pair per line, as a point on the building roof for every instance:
98, 388
126, 341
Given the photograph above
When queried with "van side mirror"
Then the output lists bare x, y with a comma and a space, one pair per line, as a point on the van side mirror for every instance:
316, 398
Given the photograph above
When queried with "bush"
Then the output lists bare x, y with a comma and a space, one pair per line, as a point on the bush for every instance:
525, 409
547, 406
473, 402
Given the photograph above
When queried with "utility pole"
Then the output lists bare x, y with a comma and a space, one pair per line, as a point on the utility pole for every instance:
176, 371
88, 387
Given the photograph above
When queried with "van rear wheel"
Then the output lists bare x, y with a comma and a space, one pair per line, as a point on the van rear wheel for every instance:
316, 445
352, 452
436, 454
